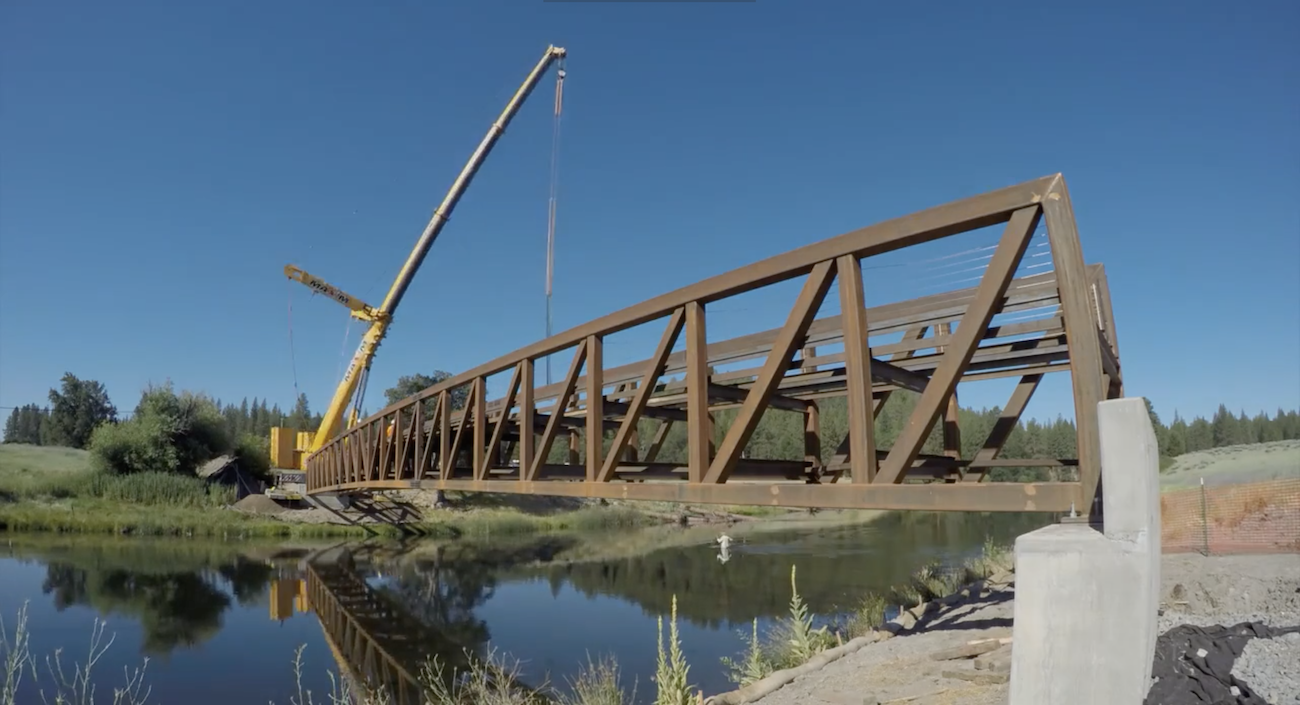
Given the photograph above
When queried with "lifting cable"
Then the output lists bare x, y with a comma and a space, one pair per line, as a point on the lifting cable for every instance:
343, 350
293, 357
554, 190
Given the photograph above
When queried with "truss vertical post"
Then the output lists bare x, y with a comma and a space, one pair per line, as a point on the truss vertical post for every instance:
699, 434
857, 369
595, 406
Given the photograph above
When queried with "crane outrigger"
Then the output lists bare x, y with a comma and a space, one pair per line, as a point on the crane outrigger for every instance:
290, 447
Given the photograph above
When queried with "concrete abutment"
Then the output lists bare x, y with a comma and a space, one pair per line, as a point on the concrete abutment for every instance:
1086, 596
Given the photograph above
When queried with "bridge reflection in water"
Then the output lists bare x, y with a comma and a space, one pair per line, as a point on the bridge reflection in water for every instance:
379, 643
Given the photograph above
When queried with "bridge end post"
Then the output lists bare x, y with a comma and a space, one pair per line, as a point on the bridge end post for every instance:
1087, 595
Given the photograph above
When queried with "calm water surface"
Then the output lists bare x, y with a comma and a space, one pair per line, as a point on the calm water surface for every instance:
220, 622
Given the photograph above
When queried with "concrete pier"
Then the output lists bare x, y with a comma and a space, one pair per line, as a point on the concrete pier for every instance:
1086, 599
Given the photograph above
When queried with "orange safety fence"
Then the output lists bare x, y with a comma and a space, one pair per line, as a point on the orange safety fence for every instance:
1255, 517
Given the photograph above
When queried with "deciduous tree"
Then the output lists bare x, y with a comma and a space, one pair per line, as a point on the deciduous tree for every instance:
76, 410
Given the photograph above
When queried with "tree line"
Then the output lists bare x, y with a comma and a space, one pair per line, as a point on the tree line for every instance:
172, 431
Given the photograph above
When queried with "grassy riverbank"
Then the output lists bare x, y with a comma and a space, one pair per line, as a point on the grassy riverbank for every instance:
45, 489
55, 490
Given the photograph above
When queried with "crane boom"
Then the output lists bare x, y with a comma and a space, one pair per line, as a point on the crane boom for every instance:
374, 335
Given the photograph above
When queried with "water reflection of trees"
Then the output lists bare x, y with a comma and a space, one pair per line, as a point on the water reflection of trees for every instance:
836, 566
179, 593
178, 603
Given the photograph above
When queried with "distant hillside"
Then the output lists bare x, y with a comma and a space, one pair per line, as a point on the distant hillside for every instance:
1234, 464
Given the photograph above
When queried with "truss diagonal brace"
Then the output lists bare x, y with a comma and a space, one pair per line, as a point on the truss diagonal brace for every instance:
988, 299
562, 400
778, 360
642, 396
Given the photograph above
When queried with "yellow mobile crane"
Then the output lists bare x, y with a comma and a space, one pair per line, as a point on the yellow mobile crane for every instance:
289, 450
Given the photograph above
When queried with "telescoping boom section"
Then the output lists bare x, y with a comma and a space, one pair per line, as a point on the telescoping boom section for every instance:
1015, 321
289, 447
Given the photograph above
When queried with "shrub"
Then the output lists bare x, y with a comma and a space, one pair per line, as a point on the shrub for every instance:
169, 433
254, 455
142, 444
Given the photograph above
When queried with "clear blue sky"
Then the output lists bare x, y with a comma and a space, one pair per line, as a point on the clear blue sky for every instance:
161, 162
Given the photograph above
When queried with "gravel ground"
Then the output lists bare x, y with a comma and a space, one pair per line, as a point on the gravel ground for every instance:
1272, 668
902, 667
1195, 590
1228, 590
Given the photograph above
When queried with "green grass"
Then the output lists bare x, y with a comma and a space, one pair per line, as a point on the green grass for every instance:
46, 489
91, 516
25, 469
101, 516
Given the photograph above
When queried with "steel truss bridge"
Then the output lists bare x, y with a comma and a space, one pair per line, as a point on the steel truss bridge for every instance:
423, 442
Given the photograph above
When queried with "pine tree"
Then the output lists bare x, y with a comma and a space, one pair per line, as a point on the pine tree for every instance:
1177, 437
11, 427
300, 417
1200, 435
1227, 430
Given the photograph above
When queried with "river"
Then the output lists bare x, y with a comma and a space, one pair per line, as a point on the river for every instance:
220, 622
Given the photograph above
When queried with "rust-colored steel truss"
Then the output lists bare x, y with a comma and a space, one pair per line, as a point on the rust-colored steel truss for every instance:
420, 442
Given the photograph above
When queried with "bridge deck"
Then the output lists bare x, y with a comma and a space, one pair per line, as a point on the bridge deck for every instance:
945, 339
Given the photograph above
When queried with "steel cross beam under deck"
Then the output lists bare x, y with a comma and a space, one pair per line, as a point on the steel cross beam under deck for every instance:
421, 442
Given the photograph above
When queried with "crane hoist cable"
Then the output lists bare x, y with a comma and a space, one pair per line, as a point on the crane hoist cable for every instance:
343, 349
551, 203
293, 356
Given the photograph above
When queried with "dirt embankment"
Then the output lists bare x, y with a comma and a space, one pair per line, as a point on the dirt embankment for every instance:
415, 505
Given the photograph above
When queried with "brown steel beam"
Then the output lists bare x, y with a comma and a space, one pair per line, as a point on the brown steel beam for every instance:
642, 396
1082, 337
860, 370
699, 436
595, 405
553, 423
796, 326
1007, 421
738, 393
498, 432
